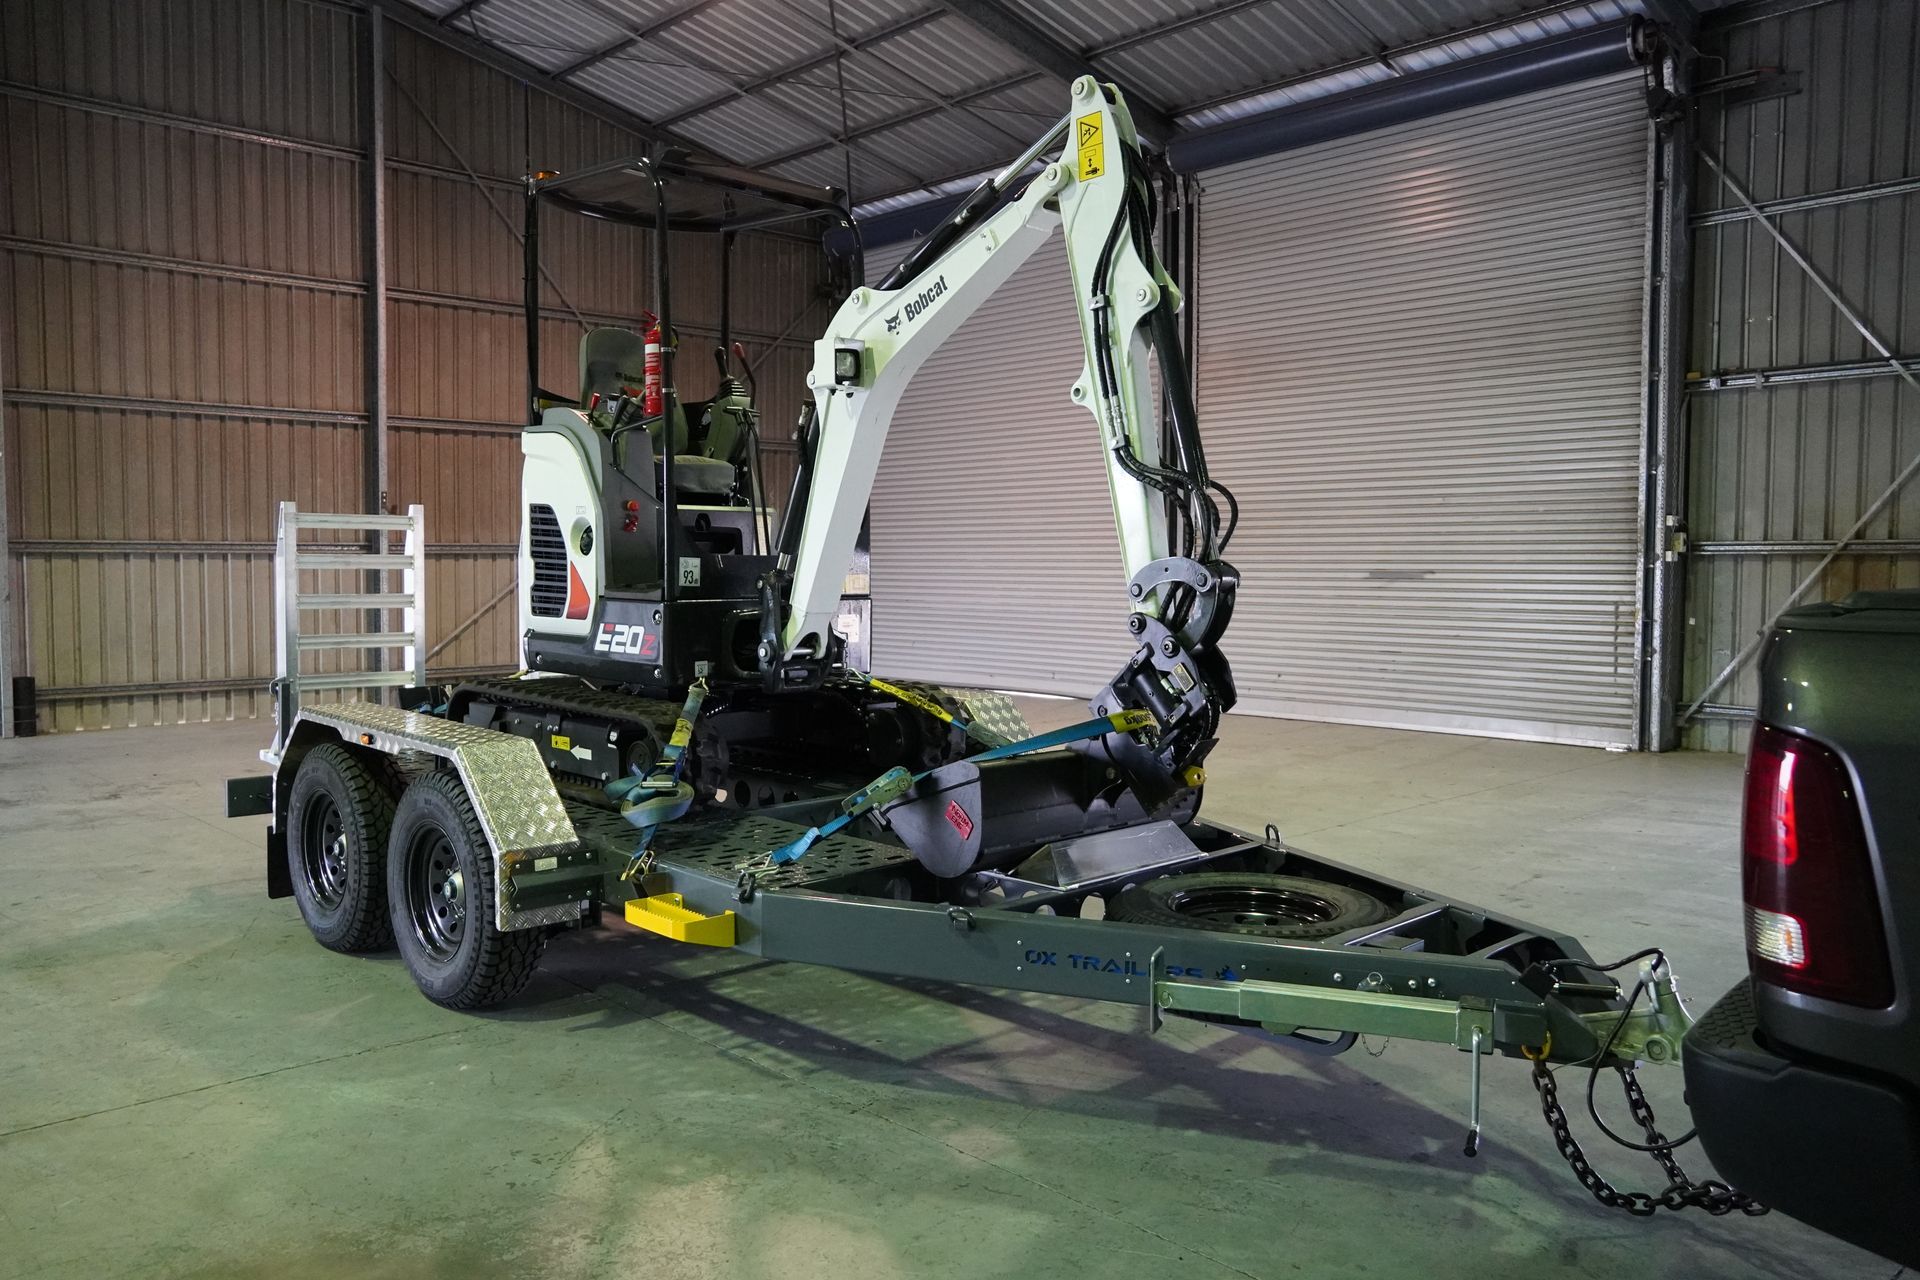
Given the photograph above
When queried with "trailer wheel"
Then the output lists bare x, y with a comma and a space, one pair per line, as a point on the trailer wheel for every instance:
440, 895
338, 814
1264, 906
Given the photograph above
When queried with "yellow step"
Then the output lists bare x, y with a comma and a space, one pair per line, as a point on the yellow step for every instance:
666, 914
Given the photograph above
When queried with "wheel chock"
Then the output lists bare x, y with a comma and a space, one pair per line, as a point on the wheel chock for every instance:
666, 914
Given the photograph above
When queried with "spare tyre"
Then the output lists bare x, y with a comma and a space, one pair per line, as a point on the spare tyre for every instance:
1249, 902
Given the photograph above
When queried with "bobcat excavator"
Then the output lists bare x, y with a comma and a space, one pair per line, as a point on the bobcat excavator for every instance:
689, 746
647, 559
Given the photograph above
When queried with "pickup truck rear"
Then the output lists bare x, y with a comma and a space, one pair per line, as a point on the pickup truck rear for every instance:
1805, 1079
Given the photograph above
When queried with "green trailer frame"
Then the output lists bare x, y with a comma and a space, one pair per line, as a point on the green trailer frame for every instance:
1435, 969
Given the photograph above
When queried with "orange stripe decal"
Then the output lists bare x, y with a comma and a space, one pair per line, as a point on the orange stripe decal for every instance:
578, 601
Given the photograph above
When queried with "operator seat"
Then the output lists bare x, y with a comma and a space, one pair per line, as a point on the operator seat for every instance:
613, 360
695, 476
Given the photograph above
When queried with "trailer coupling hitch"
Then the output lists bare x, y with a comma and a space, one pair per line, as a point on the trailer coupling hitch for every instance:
1627, 1037
1618, 1034
1653, 1033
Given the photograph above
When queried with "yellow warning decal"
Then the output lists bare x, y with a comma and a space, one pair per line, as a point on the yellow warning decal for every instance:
1092, 150
562, 743
682, 734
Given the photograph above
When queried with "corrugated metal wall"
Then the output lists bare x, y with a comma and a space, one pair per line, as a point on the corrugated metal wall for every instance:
183, 300
182, 280
1776, 471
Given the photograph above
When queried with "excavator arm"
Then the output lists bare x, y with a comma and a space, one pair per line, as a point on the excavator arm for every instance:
1167, 511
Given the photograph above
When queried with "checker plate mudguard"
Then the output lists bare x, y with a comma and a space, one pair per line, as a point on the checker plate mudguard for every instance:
512, 793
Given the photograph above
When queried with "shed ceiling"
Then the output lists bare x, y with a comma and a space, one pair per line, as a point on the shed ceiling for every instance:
897, 100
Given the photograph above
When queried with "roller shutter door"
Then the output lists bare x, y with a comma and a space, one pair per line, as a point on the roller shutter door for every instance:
1419, 367
995, 561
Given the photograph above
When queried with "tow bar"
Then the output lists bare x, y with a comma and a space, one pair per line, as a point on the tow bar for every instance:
1653, 1033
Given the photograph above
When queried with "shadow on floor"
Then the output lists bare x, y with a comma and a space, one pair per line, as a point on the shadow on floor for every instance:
1317, 1103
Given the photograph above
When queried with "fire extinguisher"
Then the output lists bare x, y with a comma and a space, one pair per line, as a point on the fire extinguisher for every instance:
653, 401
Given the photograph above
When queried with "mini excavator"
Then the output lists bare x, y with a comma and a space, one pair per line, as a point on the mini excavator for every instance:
649, 560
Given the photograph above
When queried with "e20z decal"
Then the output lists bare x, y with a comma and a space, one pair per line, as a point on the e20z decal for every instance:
622, 637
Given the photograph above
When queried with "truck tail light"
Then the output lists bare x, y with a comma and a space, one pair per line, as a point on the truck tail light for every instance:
1813, 913
1777, 937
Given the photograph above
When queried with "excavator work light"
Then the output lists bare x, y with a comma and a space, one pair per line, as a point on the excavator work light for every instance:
846, 366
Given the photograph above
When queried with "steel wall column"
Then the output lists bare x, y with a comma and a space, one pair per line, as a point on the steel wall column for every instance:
373, 467
373, 104
1670, 289
6, 581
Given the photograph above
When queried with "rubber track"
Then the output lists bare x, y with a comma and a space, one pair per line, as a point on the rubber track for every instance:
581, 698
571, 695
577, 696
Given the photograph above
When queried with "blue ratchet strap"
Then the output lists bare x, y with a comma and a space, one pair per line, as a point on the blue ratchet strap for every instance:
896, 782
978, 733
663, 806
884, 789
1098, 727
667, 798
666, 770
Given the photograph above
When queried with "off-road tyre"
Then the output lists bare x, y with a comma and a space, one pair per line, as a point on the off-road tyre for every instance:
1251, 903
440, 900
338, 815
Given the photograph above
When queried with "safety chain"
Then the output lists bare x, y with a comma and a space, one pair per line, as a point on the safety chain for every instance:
1717, 1198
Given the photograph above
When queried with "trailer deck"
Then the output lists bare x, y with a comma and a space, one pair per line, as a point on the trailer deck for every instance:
1435, 968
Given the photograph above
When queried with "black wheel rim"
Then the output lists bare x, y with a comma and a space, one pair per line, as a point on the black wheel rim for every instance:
1251, 904
323, 851
436, 894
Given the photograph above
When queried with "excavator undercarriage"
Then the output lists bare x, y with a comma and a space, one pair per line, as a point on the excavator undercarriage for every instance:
749, 748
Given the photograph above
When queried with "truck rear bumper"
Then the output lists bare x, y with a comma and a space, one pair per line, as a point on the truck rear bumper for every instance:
1839, 1152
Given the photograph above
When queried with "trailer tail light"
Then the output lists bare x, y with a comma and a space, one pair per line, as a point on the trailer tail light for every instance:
1813, 913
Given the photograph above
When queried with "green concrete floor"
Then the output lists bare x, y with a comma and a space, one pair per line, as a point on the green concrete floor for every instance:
189, 1086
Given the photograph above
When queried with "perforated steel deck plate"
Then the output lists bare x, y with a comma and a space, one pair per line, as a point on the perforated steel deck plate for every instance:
719, 844
607, 832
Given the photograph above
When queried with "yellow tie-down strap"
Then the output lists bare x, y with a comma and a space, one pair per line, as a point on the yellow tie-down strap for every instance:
667, 915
